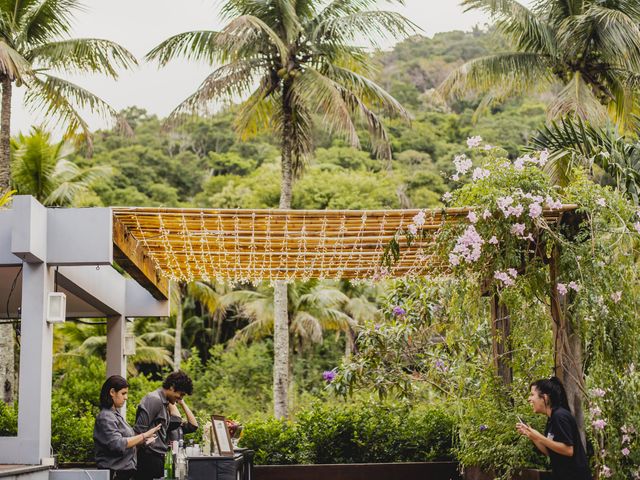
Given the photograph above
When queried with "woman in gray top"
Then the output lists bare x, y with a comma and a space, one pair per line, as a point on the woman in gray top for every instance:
114, 439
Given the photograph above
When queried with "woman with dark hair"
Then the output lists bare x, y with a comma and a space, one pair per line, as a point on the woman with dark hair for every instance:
114, 439
561, 441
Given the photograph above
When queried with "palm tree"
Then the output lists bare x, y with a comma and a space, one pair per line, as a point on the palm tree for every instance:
608, 155
77, 341
591, 48
34, 43
314, 308
41, 168
292, 61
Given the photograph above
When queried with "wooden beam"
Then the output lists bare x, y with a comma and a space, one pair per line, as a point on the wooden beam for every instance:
133, 258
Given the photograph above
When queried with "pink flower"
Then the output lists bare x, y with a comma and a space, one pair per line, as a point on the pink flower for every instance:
562, 289
601, 202
419, 218
595, 411
598, 392
515, 211
469, 245
625, 451
626, 438
553, 204
473, 218
506, 280
480, 173
535, 210
519, 164
493, 240
473, 142
606, 471
462, 163
455, 177
486, 214
599, 424
513, 272
454, 259
543, 158
616, 296
504, 202
574, 286
447, 196
412, 229
518, 229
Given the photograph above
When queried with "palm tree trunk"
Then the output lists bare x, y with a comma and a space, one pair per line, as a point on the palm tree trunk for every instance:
5, 133
280, 304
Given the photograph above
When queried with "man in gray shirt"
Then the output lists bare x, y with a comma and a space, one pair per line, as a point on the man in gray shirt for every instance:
159, 408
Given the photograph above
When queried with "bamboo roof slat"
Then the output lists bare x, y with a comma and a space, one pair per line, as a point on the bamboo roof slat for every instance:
255, 245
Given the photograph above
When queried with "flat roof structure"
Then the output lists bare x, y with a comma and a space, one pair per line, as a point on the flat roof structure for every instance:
235, 245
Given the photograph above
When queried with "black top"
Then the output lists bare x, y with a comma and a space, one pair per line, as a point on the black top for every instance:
110, 434
562, 427
154, 410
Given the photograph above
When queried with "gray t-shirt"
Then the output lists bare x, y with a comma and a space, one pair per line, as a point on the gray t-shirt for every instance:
154, 410
110, 434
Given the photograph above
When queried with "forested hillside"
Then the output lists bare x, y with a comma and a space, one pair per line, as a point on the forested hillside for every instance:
203, 163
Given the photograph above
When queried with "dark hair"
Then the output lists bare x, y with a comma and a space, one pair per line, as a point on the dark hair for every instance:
552, 387
117, 383
180, 382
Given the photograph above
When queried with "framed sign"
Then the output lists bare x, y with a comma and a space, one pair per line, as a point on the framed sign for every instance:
221, 434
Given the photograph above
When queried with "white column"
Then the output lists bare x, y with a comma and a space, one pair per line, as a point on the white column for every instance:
36, 351
116, 361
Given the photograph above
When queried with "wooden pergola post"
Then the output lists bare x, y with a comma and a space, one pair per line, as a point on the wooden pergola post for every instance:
501, 339
568, 354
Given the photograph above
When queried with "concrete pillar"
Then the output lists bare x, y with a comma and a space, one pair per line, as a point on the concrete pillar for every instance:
36, 352
116, 361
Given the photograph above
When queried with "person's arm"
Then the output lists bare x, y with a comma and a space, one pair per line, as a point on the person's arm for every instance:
191, 419
544, 444
144, 437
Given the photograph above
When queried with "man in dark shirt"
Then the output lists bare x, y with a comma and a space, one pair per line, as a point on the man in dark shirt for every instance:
159, 408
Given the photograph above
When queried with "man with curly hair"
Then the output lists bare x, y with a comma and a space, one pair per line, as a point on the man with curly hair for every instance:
160, 407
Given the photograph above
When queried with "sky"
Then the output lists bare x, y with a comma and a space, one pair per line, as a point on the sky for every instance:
139, 25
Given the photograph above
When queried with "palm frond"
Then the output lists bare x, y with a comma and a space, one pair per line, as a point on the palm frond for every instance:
528, 32
47, 19
577, 98
375, 25
12, 64
83, 55
517, 73
238, 39
72, 181
307, 327
196, 45
225, 83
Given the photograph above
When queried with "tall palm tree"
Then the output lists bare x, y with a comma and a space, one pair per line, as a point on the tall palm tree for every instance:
314, 308
34, 44
590, 48
41, 168
292, 60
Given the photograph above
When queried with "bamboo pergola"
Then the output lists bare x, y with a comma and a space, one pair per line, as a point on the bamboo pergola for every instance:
235, 245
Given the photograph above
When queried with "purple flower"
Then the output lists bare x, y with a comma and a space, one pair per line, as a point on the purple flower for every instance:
412, 229
562, 289
462, 163
480, 173
328, 376
574, 286
483, 428
606, 471
518, 229
535, 210
595, 411
544, 157
599, 424
468, 246
447, 196
493, 240
398, 311
626, 451
597, 392
473, 218
440, 365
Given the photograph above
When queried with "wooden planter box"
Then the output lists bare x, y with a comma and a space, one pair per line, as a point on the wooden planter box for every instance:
383, 471
360, 471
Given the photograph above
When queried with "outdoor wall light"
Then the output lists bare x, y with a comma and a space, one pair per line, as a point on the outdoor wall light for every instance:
129, 345
56, 307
